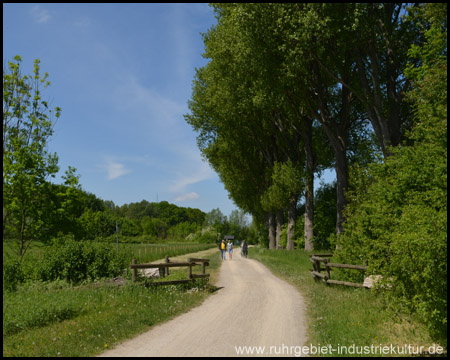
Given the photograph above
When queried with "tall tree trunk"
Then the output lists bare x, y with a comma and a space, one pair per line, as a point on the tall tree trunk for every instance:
336, 129
271, 222
308, 231
341, 167
383, 111
291, 223
374, 106
280, 221
309, 186
341, 188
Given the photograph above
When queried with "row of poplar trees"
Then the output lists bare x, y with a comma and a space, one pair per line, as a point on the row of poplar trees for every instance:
292, 89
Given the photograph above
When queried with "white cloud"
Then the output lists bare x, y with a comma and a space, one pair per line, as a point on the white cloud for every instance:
39, 14
197, 172
188, 196
147, 103
115, 169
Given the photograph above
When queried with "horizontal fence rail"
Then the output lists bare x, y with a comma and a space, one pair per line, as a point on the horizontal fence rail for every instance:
324, 259
164, 270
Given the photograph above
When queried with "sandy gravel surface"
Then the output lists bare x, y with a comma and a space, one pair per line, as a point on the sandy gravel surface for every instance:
252, 308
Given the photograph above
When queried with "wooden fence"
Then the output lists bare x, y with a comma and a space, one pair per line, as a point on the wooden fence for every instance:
164, 270
317, 261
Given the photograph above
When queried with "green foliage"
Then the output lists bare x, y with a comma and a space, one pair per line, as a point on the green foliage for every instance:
287, 182
207, 235
400, 227
283, 236
97, 224
171, 214
397, 216
36, 311
27, 126
324, 219
12, 274
324, 215
56, 319
256, 234
343, 315
76, 261
299, 238
179, 231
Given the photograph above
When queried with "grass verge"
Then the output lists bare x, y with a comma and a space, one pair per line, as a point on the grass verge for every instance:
343, 317
55, 319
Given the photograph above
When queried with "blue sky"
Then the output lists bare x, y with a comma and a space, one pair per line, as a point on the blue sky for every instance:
122, 74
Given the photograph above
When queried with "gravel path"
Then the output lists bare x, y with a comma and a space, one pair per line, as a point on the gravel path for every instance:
253, 309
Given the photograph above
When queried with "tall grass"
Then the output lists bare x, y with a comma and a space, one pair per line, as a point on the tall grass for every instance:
150, 252
339, 315
77, 261
84, 322
58, 319
142, 251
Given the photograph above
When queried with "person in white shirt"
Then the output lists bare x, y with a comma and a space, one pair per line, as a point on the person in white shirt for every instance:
230, 249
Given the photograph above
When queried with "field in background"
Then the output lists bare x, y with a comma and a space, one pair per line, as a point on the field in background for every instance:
151, 252
141, 252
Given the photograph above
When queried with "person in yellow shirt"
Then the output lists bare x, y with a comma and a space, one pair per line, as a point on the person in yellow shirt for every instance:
223, 249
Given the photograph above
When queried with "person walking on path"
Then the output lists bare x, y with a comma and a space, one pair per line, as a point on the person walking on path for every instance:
230, 249
244, 248
223, 249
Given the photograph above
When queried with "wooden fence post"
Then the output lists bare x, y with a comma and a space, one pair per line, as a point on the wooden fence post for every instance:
317, 262
190, 269
134, 271
327, 268
164, 266
167, 261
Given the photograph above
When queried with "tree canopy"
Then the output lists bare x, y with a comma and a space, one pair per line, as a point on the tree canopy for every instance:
287, 85
27, 125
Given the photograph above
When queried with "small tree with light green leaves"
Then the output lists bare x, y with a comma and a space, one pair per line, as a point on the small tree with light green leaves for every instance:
28, 123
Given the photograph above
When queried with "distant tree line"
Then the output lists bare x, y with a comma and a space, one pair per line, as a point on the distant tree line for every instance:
68, 209
34, 208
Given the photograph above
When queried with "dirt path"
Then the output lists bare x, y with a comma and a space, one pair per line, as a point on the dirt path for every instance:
253, 309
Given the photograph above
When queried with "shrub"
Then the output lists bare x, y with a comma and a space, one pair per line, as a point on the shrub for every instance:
398, 223
12, 275
206, 235
399, 218
84, 260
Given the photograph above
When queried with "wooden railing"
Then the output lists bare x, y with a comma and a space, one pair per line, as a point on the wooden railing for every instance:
317, 261
164, 270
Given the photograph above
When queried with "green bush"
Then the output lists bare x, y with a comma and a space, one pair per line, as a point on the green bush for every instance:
324, 215
397, 212
206, 235
79, 261
12, 274
397, 221
399, 226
